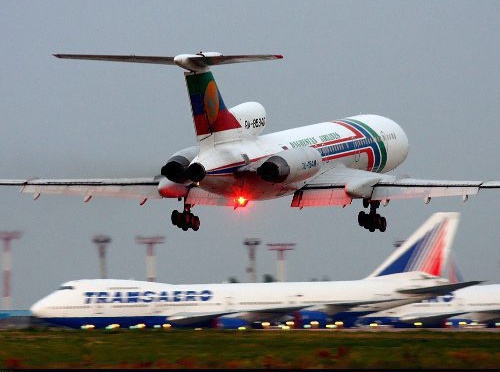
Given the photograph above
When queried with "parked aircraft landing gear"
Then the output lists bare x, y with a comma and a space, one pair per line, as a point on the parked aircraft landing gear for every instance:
372, 221
186, 219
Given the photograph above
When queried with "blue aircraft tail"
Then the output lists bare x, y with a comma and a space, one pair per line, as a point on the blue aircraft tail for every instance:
426, 250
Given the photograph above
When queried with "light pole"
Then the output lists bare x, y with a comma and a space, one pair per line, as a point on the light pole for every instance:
7, 237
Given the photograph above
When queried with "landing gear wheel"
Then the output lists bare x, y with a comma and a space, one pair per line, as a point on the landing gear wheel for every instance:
383, 224
372, 221
175, 217
185, 220
361, 218
196, 223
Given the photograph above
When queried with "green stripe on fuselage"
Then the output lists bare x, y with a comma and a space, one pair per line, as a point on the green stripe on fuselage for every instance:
380, 143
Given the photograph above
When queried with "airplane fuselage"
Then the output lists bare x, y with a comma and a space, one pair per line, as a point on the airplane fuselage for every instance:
126, 302
365, 142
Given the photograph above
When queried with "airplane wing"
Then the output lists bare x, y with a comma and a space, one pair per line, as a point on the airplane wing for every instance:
187, 318
193, 318
427, 318
338, 186
140, 188
332, 307
438, 290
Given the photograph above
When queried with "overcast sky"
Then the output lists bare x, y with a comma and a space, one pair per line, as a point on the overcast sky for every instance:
432, 66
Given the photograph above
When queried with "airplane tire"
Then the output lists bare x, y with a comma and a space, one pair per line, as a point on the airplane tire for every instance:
383, 224
196, 223
362, 218
174, 217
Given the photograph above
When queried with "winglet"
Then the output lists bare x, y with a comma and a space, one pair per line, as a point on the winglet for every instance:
426, 250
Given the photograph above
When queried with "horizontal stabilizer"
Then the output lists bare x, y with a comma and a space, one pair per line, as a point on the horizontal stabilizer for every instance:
440, 289
191, 62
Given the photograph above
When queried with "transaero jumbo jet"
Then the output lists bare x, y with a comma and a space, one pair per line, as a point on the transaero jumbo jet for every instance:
479, 304
410, 274
324, 164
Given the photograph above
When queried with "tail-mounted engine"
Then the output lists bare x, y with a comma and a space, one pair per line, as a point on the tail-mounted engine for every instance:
176, 169
292, 165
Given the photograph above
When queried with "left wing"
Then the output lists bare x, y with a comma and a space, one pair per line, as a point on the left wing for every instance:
140, 188
338, 186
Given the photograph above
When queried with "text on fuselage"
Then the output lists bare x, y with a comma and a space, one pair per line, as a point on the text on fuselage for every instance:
146, 296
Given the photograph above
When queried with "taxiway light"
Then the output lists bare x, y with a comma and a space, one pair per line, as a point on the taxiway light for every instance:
285, 328
167, 325
198, 329
113, 326
242, 328
331, 326
307, 326
87, 326
417, 324
290, 323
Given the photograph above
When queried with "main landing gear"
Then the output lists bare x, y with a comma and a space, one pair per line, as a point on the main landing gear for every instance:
185, 219
372, 221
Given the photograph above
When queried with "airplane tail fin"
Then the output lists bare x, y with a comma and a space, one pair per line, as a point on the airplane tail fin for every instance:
210, 115
426, 250
453, 272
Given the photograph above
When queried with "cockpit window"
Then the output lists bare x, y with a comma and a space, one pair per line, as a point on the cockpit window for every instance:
66, 287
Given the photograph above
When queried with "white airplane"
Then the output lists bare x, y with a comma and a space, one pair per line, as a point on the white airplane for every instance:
410, 274
476, 304
479, 303
324, 164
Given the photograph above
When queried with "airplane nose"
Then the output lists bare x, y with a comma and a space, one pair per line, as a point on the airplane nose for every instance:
39, 309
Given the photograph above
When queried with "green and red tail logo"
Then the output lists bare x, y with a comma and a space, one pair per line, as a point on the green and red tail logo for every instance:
210, 114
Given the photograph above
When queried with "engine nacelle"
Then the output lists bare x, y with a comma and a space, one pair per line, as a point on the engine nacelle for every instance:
251, 116
291, 165
175, 169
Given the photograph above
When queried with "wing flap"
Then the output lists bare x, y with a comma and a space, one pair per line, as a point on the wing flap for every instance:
199, 196
320, 197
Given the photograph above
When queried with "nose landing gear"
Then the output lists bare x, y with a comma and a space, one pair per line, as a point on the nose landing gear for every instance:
185, 220
372, 221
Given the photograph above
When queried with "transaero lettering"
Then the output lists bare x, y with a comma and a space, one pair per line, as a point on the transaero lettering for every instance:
146, 296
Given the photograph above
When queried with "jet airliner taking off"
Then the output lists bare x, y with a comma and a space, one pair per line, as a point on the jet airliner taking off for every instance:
324, 164
410, 274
